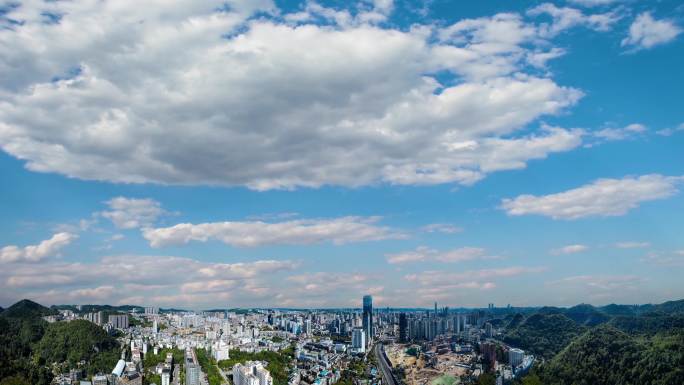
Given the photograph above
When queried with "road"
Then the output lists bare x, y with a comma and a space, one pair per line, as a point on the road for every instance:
385, 368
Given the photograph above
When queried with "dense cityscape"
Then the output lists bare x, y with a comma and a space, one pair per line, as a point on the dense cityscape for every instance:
132, 345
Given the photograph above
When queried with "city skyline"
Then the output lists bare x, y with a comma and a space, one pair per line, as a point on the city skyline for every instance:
297, 154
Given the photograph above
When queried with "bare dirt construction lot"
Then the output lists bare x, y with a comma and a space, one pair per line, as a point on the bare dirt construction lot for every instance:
418, 372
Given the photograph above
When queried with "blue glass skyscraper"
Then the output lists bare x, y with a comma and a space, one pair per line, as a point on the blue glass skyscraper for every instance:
368, 317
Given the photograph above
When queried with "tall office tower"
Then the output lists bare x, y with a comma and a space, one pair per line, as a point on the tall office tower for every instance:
155, 327
435, 309
359, 340
368, 318
403, 328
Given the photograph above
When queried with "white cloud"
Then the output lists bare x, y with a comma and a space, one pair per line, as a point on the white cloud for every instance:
622, 133
424, 253
600, 282
34, 253
632, 245
171, 281
257, 233
603, 197
235, 98
670, 131
130, 213
592, 3
475, 278
445, 228
671, 259
647, 32
564, 18
570, 249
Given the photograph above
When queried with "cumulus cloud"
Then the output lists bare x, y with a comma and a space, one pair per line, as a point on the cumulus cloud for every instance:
424, 253
646, 32
269, 103
564, 18
131, 213
620, 133
257, 233
603, 197
153, 278
570, 249
34, 253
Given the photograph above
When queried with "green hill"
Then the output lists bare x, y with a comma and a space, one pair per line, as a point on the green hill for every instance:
648, 324
607, 356
670, 307
28, 344
544, 334
586, 315
75, 341
27, 309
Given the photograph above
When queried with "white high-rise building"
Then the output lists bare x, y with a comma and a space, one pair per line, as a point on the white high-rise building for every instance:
359, 340
220, 350
251, 373
515, 357
166, 377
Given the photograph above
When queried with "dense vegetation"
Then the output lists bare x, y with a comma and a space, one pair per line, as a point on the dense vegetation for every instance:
209, 367
544, 334
605, 355
151, 360
76, 341
631, 344
29, 345
278, 362
21, 326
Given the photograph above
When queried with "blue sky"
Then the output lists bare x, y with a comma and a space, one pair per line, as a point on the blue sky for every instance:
307, 153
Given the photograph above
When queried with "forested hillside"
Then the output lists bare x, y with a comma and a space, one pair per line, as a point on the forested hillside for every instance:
28, 344
631, 345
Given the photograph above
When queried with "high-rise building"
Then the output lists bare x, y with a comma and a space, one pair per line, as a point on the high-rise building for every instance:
488, 350
95, 317
119, 321
151, 310
192, 373
155, 326
166, 377
251, 373
368, 318
403, 328
489, 330
515, 357
359, 340
307, 327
